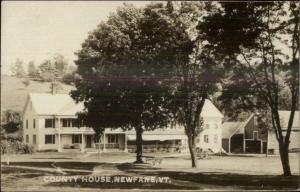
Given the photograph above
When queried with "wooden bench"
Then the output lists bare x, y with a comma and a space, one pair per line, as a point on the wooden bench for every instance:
153, 160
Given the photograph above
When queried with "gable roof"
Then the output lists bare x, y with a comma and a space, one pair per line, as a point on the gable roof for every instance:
210, 110
63, 104
54, 104
284, 119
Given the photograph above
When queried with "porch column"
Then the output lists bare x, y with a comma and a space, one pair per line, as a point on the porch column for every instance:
261, 147
244, 144
59, 136
125, 139
173, 145
229, 145
82, 143
104, 140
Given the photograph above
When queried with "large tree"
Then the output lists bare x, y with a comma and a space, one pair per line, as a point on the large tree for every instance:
260, 42
195, 78
125, 66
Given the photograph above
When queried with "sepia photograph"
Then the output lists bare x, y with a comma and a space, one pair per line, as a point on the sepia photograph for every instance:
150, 96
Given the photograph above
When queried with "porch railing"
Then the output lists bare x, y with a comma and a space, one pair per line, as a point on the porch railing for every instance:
156, 148
108, 146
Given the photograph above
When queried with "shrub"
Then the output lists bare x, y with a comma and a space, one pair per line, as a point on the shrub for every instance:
16, 147
14, 138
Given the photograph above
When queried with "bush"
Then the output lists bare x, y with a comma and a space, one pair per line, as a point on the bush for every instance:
69, 78
14, 138
16, 147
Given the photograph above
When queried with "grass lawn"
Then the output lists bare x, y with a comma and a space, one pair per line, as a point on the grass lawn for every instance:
219, 173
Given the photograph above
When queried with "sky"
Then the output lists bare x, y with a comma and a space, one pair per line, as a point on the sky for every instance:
38, 30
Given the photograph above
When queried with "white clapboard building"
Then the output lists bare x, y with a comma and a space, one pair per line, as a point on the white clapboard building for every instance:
273, 146
49, 123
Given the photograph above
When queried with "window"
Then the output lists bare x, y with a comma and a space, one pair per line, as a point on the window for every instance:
75, 123
66, 123
34, 123
198, 140
216, 138
34, 139
49, 123
206, 139
27, 138
255, 135
69, 122
49, 139
216, 126
76, 138
112, 138
26, 124
206, 126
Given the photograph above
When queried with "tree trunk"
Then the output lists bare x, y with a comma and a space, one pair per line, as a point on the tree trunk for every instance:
192, 149
139, 145
284, 155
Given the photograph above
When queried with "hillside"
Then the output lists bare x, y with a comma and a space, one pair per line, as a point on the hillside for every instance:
14, 92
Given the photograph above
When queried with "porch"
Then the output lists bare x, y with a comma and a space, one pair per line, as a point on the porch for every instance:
153, 143
88, 142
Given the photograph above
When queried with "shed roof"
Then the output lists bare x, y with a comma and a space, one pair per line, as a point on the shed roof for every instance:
230, 128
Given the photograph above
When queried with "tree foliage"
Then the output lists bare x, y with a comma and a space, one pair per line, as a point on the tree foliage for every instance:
260, 43
11, 121
17, 68
125, 65
197, 77
53, 69
32, 70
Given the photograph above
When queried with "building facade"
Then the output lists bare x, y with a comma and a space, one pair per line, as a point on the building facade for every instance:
246, 137
49, 122
273, 146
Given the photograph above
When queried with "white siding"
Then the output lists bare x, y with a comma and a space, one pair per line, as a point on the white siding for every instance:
46, 131
29, 115
273, 143
211, 131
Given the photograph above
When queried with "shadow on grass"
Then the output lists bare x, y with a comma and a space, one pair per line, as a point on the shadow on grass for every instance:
65, 165
130, 167
21, 171
31, 173
52, 158
266, 182
218, 178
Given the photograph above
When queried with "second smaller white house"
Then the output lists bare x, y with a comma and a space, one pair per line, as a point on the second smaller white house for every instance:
273, 146
49, 123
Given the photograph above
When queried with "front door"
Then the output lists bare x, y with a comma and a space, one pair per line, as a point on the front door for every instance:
88, 141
